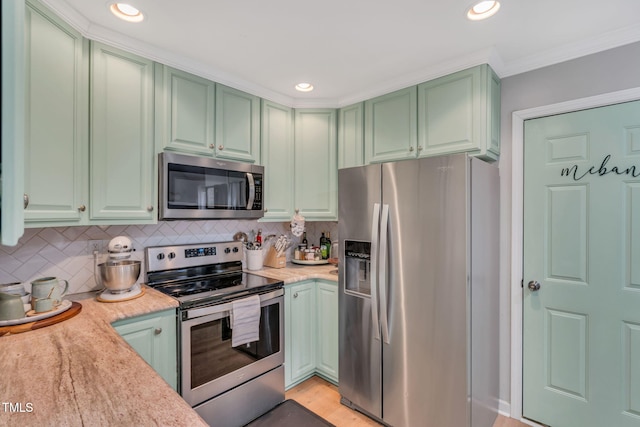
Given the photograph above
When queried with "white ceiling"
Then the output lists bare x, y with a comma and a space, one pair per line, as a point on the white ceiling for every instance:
352, 50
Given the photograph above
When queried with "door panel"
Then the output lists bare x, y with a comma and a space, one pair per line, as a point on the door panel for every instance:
581, 234
360, 354
427, 292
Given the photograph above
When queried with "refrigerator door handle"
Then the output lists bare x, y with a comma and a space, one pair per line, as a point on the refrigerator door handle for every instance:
375, 227
382, 282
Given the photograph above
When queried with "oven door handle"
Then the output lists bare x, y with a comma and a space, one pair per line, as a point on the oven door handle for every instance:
252, 191
226, 307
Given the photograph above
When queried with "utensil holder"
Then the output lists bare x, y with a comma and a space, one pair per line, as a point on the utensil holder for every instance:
273, 260
254, 259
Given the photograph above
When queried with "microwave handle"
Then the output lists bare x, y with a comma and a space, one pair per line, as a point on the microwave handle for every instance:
252, 191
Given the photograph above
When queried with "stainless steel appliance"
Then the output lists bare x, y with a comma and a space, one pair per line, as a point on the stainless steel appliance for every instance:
195, 187
227, 386
419, 291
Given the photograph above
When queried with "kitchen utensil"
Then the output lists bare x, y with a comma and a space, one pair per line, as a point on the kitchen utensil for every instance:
119, 276
11, 307
49, 287
119, 273
241, 236
254, 259
15, 288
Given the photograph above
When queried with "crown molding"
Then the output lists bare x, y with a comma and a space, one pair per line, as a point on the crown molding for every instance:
488, 56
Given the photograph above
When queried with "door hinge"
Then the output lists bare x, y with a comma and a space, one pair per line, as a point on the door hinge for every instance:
522, 283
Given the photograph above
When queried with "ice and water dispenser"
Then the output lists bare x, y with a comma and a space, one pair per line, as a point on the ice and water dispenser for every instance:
357, 267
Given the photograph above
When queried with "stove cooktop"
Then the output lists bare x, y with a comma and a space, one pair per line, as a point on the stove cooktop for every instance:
212, 290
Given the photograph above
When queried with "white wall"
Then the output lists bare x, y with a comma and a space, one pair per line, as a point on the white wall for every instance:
597, 74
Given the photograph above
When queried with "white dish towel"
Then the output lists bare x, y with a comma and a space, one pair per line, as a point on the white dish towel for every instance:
245, 320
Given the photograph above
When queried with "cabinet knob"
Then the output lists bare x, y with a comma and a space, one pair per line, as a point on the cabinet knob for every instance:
150, 208
212, 146
266, 210
411, 148
25, 199
220, 147
419, 147
157, 331
82, 208
295, 295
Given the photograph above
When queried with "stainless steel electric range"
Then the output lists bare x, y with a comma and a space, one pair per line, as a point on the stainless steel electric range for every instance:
226, 385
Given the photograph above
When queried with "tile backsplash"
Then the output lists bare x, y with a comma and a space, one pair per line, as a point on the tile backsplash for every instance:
66, 253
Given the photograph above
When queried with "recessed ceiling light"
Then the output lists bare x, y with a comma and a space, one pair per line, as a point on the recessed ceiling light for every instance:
304, 87
126, 12
483, 10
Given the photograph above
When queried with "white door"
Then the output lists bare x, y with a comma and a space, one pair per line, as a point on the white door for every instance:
581, 337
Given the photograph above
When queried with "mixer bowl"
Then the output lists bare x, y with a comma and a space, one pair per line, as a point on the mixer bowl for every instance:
119, 276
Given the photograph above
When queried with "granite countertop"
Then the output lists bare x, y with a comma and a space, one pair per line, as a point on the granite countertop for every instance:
81, 372
296, 272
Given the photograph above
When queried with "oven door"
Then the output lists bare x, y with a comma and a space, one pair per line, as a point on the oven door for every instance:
211, 366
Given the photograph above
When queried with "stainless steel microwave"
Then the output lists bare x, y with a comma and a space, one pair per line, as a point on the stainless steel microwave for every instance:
195, 187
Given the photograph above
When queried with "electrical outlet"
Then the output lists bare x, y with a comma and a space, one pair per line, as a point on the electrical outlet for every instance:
94, 246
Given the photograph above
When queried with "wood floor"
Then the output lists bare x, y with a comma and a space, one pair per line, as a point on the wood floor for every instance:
323, 398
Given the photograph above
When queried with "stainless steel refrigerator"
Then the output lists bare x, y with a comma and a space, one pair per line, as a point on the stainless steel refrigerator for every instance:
419, 291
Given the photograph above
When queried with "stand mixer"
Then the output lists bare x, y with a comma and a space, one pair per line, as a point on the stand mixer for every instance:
118, 275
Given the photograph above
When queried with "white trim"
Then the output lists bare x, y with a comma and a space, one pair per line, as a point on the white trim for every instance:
517, 182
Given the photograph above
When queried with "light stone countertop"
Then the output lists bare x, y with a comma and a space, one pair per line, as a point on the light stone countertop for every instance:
296, 272
81, 372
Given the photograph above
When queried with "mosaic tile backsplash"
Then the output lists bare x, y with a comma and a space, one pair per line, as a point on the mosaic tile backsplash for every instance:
65, 252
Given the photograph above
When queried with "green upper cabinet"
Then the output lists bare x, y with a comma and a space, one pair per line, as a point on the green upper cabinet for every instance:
122, 161
390, 131
460, 113
13, 122
184, 112
278, 160
57, 102
316, 164
237, 125
351, 136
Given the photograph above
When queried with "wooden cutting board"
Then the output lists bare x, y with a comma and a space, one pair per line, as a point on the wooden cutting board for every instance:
75, 308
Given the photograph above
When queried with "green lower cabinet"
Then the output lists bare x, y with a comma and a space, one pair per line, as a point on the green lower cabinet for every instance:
300, 331
327, 327
311, 331
153, 337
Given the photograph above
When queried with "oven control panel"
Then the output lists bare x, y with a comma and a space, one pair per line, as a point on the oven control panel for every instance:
160, 258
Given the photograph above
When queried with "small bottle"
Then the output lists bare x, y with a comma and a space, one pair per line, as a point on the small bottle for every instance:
259, 237
328, 243
304, 240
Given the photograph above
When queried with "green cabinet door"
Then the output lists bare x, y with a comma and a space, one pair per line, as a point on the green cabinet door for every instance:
278, 160
391, 131
153, 337
13, 117
327, 327
351, 136
122, 162
237, 125
56, 142
460, 112
300, 331
316, 167
184, 112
